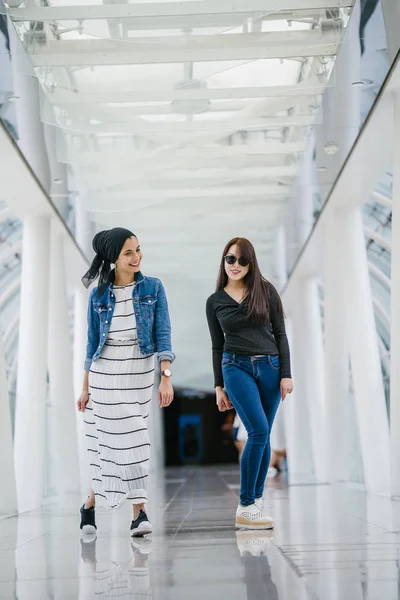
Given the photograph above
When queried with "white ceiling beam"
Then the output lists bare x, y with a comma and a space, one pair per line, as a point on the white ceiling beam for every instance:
62, 97
371, 234
9, 292
226, 20
380, 276
180, 23
208, 174
88, 159
188, 186
231, 163
121, 175
125, 200
382, 199
215, 191
104, 113
11, 332
186, 48
185, 127
163, 109
170, 9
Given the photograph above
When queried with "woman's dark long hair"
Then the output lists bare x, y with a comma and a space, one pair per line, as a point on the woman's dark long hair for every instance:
256, 299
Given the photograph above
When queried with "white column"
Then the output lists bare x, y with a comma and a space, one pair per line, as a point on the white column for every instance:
340, 126
32, 364
395, 310
8, 493
340, 107
308, 359
62, 397
307, 350
366, 369
278, 439
340, 431
58, 170
29, 124
80, 328
83, 238
297, 418
313, 352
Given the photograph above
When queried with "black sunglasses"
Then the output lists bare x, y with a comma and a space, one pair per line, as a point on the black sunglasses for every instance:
231, 259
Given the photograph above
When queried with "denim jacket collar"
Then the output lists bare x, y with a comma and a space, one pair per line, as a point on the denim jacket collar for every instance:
139, 277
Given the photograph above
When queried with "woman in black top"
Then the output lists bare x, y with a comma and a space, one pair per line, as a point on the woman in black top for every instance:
251, 360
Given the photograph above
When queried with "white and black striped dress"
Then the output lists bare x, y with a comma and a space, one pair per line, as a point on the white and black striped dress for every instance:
120, 385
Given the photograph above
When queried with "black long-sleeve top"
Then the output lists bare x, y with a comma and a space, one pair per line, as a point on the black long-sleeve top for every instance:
232, 331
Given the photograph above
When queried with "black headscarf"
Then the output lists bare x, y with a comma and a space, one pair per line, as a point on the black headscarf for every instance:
107, 245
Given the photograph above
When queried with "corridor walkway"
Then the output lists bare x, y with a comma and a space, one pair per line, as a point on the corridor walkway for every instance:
329, 544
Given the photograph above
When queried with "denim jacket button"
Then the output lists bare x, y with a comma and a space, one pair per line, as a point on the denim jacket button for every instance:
104, 334
106, 321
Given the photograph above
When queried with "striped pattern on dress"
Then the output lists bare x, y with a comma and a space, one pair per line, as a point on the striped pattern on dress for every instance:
121, 385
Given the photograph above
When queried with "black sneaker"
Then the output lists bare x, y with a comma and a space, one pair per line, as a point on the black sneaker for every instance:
88, 522
141, 526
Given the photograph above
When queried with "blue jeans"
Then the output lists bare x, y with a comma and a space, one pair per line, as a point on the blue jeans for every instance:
253, 386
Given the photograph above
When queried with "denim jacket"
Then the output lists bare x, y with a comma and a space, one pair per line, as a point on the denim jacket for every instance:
152, 319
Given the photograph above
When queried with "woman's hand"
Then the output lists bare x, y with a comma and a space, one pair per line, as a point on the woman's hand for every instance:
286, 387
83, 400
165, 392
223, 401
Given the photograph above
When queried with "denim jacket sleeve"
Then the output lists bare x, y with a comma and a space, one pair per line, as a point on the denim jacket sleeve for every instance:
93, 332
163, 326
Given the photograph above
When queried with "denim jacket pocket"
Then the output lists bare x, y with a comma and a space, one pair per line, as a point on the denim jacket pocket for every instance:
100, 308
147, 306
148, 300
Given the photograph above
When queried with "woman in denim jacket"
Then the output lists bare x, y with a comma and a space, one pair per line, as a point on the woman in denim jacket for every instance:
128, 322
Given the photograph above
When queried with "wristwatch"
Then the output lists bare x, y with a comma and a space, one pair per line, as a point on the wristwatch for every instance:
166, 373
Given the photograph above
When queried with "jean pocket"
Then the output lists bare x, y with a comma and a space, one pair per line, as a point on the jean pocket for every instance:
226, 361
274, 362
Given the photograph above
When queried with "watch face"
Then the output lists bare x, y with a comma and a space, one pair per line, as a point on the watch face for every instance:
167, 373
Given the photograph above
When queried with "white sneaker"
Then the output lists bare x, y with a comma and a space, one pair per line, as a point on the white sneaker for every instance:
259, 504
272, 472
250, 517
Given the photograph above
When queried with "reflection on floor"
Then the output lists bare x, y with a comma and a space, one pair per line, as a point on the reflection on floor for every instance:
330, 543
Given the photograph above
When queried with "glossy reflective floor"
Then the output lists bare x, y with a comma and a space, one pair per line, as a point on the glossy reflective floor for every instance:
330, 543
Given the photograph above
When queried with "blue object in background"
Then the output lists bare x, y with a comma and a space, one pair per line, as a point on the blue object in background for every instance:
190, 438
